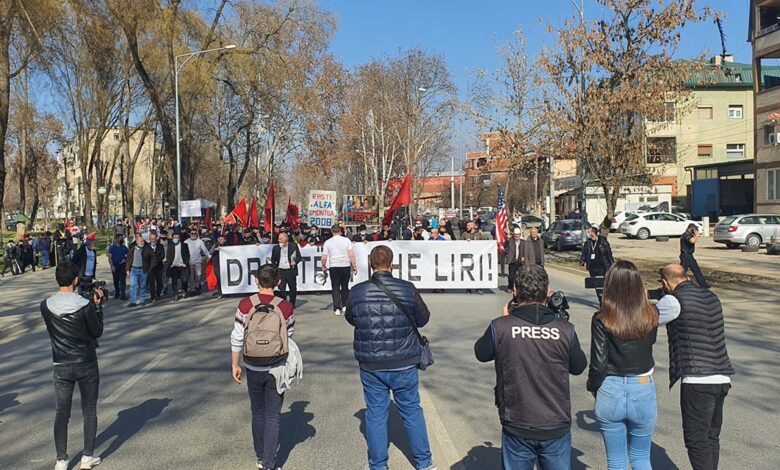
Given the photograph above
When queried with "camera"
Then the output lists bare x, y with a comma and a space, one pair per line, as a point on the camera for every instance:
87, 289
559, 304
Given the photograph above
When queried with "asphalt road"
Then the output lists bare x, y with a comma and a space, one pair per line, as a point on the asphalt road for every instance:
167, 400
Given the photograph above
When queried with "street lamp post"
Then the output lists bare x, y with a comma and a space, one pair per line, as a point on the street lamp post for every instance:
112, 199
102, 191
178, 68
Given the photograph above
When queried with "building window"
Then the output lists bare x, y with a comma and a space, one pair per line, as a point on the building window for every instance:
116, 135
773, 185
705, 151
769, 135
661, 150
707, 174
704, 112
735, 150
485, 180
735, 111
666, 112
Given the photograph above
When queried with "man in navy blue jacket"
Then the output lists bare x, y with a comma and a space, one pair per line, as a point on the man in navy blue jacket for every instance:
388, 351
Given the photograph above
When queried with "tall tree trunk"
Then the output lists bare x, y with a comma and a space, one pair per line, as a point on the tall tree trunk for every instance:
6, 24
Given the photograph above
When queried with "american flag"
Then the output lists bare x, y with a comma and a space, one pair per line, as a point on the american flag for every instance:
501, 220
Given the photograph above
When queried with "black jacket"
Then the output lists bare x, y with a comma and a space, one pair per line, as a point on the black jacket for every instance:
147, 255
697, 337
613, 356
534, 353
384, 339
603, 252
514, 256
292, 248
80, 259
170, 253
74, 325
158, 257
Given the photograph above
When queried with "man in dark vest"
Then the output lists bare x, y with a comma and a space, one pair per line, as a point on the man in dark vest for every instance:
698, 356
534, 352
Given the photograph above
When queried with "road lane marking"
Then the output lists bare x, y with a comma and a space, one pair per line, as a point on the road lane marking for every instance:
437, 430
126, 386
209, 315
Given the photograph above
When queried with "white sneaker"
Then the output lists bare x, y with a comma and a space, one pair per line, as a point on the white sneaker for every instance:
61, 465
337, 312
88, 463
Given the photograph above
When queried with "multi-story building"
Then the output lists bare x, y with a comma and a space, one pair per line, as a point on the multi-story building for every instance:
764, 34
69, 196
705, 152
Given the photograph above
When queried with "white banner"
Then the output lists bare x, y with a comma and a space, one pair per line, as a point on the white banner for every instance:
190, 208
427, 264
322, 208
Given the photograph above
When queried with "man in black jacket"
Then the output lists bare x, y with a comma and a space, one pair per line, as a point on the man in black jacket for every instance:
285, 256
139, 260
74, 325
698, 356
514, 255
155, 274
596, 256
178, 256
534, 353
86, 258
687, 248
388, 351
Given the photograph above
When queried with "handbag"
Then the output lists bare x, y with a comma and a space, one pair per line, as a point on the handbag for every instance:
426, 356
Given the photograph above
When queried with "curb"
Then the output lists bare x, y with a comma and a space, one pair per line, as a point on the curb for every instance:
567, 269
17, 327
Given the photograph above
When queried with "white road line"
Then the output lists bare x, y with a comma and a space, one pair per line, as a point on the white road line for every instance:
438, 431
209, 315
126, 386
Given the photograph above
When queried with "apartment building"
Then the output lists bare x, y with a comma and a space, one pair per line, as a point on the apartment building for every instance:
764, 34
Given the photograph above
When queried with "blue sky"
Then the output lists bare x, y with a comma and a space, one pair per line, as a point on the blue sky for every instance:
466, 32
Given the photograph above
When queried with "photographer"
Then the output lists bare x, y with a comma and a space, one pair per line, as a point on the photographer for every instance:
534, 352
74, 324
687, 248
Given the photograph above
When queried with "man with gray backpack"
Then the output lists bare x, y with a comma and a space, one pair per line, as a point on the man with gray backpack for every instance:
262, 327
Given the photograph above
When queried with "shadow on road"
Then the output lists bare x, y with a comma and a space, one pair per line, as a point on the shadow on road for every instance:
128, 422
8, 400
480, 457
296, 428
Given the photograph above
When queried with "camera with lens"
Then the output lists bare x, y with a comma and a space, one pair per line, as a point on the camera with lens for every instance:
87, 289
559, 304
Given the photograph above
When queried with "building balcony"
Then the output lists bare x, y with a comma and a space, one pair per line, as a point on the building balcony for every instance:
767, 42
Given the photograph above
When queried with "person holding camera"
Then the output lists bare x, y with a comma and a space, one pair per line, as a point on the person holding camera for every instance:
534, 351
621, 368
74, 325
86, 258
687, 248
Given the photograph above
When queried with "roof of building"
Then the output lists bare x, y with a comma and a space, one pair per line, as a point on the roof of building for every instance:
730, 75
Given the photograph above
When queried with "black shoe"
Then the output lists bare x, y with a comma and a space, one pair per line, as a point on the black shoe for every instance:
131, 305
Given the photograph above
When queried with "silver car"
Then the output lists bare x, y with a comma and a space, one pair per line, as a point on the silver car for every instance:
565, 234
748, 229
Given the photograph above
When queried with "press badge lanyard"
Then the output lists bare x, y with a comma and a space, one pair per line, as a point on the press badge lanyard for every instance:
593, 251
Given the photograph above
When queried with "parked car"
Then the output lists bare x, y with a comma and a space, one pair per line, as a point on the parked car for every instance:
654, 224
527, 221
619, 218
565, 234
748, 229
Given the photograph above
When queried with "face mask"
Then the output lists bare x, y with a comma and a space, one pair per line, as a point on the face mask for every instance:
175, 241
363, 233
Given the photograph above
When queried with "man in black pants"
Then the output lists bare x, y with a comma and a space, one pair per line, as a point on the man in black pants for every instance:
687, 247
285, 256
337, 258
514, 255
698, 356
156, 268
596, 256
74, 325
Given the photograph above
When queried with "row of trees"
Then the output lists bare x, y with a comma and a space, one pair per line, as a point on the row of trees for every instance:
280, 107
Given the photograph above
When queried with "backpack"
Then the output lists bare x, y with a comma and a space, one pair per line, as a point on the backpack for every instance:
265, 334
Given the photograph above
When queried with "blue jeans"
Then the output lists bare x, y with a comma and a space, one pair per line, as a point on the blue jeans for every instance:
376, 391
522, 454
626, 412
138, 282
44, 259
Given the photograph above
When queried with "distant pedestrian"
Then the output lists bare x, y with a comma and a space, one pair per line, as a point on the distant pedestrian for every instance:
74, 325
533, 249
139, 261
596, 256
473, 232
698, 356
117, 260
263, 315
285, 255
10, 260
197, 251
515, 247
687, 248
436, 236
621, 368
386, 312
338, 259
178, 255
534, 351
44, 248
86, 258
155, 273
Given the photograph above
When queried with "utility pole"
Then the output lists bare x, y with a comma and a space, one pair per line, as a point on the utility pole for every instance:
452, 181
582, 198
